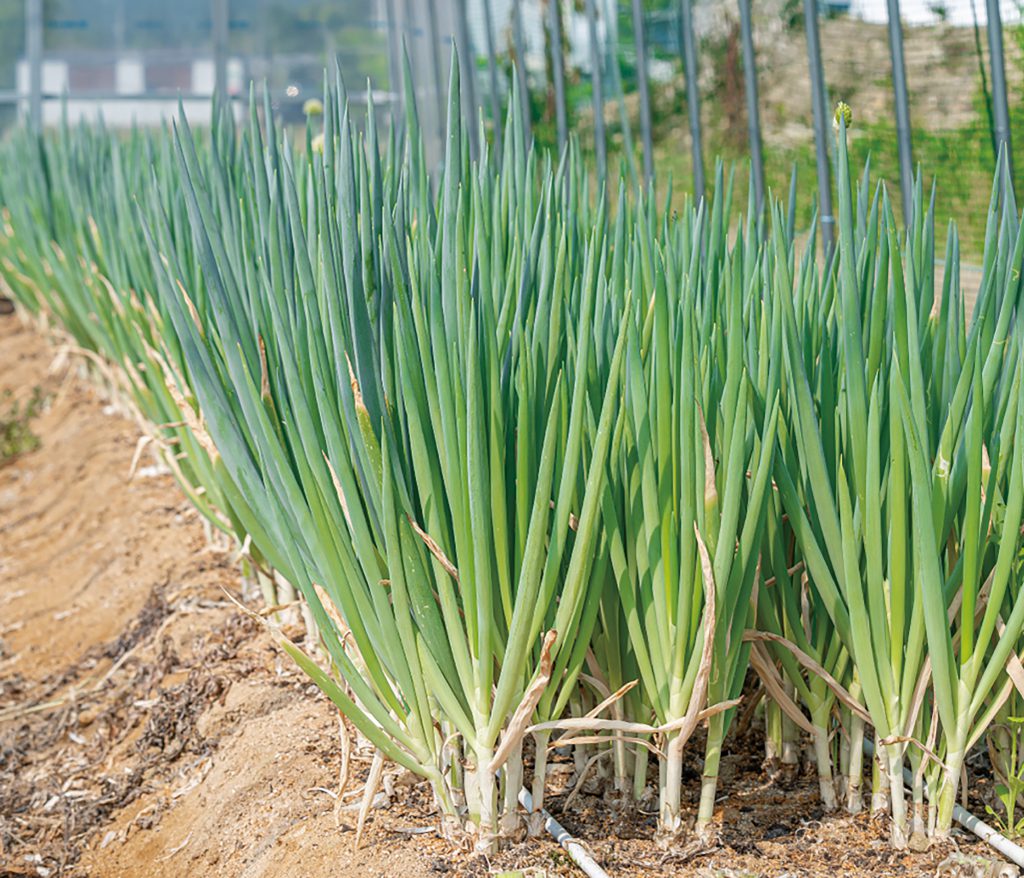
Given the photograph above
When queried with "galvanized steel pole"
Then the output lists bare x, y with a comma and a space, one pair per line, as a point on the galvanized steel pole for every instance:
753, 110
524, 84
433, 48
597, 91
819, 105
610, 10
219, 18
688, 47
899, 86
412, 45
396, 84
467, 69
558, 71
492, 67
1000, 110
34, 58
645, 97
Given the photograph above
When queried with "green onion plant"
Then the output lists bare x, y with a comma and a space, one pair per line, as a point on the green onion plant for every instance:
552, 466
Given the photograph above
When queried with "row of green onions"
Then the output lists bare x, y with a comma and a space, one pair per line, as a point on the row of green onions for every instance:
556, 466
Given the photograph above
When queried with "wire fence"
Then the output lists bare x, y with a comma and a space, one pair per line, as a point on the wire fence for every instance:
654, 89
133, 59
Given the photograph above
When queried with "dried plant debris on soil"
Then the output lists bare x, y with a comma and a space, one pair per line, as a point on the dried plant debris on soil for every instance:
169, 735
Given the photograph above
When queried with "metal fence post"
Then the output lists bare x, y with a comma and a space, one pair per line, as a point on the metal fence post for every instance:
492, 67
519, 44
645, 96
396, 86
558, 71
753, 110
433, 48
597, 92
1000, 110
688, 46
34, 58
412, 48
899, 86
610, 11
467, 67
819, 103
219, 18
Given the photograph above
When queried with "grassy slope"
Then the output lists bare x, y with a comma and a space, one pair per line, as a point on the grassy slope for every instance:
951, 137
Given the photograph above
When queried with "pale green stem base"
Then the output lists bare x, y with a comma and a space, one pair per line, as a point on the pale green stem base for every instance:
823, 759
918, 828
512, 777
772, 733
898, 831
946, 799
486, 831
451, 824
540, 771
620, 767
709, 780
580, 758
855, 768
790, 739
670, 776
879, 787
640, 773
269, 591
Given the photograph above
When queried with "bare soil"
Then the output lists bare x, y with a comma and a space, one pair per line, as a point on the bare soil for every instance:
148, 728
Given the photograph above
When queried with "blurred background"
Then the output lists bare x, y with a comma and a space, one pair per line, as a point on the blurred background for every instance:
644, 86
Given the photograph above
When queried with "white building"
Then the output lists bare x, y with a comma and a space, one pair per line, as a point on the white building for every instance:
933, 11
121, 88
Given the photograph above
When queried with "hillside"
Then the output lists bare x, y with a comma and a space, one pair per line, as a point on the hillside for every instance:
951, 135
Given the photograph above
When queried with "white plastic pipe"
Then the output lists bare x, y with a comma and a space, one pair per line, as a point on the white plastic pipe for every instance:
574, 848
1012, 852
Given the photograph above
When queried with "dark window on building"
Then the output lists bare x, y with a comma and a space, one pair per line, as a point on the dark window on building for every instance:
169, 76
91, 77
